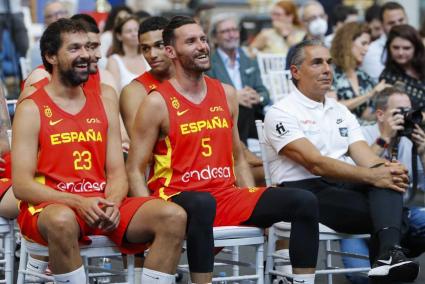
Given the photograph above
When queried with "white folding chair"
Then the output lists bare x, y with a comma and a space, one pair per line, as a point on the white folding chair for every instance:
25, 65
233, 237
269, 62
280, 84
282, 230
7, 250
101, 246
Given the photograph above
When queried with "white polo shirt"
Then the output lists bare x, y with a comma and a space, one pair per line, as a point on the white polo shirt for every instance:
329, 126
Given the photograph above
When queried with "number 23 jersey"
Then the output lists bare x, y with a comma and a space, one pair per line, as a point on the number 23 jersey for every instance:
72, 148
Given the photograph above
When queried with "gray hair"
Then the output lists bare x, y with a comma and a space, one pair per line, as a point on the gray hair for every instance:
218, 18
296, 56
305, 5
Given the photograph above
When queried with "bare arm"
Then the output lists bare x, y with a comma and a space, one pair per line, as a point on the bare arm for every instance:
359, 100
108, 79
243, 173
363, 155
149, 124
116, 179
24, 160
130, 100
109, 93
304, 153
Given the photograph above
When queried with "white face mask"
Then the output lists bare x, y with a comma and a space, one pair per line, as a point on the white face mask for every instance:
318, 27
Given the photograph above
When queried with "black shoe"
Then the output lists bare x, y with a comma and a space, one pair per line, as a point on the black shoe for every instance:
394, 266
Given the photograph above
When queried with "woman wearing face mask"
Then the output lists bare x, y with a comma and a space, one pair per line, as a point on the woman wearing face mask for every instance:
126, 61
406, 62
286, 30
353, 87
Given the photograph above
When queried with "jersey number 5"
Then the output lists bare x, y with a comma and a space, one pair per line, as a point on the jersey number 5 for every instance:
82, 160
207, 147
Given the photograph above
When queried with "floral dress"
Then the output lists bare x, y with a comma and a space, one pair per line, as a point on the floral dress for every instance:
344, 91
414, 88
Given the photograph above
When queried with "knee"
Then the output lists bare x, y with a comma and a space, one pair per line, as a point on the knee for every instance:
59, 224
307, 205
172, 221
202, 205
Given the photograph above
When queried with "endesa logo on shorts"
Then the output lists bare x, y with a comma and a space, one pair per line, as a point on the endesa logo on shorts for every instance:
206, 173
81, 186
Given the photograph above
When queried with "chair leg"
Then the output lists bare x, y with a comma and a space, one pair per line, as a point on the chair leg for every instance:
328, 259
86, 268
130, 269
260, 263
22, 262
9, 249
235, 257
271, 247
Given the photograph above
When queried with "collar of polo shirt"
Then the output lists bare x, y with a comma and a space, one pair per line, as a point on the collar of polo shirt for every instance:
309, 103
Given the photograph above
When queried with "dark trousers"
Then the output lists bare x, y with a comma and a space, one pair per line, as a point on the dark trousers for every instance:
357, 208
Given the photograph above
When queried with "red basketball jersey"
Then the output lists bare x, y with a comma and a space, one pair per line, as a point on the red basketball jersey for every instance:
197, 153
148, 81
72, 148
93, 84
39, 84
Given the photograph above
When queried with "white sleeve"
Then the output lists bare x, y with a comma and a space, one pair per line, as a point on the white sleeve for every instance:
354, 130
281, 128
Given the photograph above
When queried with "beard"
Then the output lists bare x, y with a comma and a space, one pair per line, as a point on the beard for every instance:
190, 63
72, 78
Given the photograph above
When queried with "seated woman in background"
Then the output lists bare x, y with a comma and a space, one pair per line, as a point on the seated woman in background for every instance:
354, 88
126, 61
116, 12
286, 30
406, 62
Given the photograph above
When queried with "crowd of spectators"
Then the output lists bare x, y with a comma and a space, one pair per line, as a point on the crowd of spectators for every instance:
367, 74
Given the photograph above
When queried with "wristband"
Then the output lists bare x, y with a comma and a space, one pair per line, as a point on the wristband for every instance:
381, 143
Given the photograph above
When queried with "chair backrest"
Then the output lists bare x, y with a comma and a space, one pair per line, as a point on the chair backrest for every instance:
25, 66
280, 84
260, 131
268, 62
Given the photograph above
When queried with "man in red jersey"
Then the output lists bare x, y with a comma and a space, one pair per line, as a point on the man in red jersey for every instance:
189, 124
98, 78
152, 45
69, 170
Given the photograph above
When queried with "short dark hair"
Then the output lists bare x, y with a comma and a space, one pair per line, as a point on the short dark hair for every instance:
153, 24
176, 22
341, 12
51, 40
381, 100
389, 6
373, 13
88, 21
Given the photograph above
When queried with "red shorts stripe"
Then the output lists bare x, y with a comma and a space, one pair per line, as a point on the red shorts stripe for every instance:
28, 218
5, 184
234, 204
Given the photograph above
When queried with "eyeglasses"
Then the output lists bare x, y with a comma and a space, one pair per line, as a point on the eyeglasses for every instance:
57, 14
312, 18
229, 30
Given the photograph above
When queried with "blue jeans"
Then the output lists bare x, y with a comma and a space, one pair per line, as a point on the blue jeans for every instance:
417, 221
358, 246
416, 228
